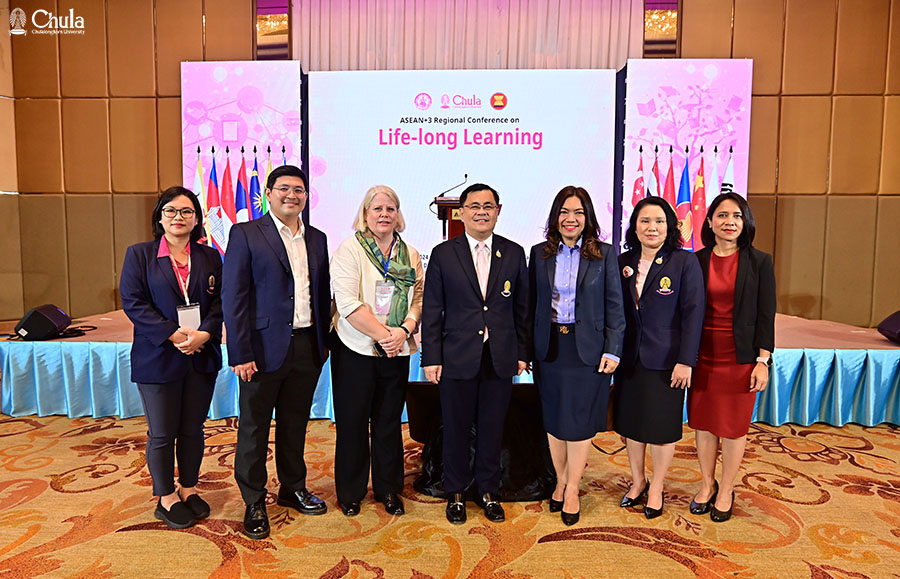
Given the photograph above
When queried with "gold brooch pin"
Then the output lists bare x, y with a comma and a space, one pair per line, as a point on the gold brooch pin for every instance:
498, 254
658, 261
506, 293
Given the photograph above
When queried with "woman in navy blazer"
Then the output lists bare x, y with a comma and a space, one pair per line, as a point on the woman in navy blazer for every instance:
173, 363
662, 288
579, 323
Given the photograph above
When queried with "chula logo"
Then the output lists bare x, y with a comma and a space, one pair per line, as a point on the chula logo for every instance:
17, 21
45, 22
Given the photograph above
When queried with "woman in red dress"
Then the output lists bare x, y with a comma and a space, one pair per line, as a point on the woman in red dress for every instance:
735, 349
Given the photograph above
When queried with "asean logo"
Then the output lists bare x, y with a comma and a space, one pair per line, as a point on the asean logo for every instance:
422, 101
498, 100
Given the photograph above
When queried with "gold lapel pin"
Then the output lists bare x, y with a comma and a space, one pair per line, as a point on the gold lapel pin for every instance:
498, 254
658, 261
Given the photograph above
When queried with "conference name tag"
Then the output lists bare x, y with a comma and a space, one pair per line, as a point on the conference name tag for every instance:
189, 316
384, 291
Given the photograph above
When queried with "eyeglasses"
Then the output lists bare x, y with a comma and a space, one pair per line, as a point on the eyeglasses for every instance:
298, 191
171, 212
476, 207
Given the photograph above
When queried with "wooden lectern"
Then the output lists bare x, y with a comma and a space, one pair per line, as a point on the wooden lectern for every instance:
448, 213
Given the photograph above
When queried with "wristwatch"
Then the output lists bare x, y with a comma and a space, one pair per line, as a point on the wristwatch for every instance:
405, 331
767, 361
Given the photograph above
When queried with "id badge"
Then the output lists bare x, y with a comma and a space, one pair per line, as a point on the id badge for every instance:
384, 292
189, 316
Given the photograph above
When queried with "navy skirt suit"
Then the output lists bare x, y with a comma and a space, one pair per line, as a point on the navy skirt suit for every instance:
574, 395
662, 328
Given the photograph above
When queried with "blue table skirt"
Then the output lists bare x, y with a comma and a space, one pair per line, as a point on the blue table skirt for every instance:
93, 379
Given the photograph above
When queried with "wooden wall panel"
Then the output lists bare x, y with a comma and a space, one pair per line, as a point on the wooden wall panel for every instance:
179, 37
45, 269
86, 145
849, 259
230, 25
763, 207
809, 46
804, 144
35, 52
890, 167
6, 74
763, 160
11, 300
706, 28
82, 57
89, 227
8, 170
759, 34
861, 48
133, 145
168, 135
131, 220
131, 52
39, 146
800, 245
893, 64
886, 290
856, 144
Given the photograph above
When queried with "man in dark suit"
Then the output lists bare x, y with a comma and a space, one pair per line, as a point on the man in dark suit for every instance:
276, 300
475, 337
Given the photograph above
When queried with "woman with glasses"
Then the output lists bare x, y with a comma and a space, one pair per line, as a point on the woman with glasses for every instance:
170, 292
378, 281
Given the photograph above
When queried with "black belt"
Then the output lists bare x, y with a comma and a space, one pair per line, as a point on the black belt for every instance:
301, 331
564, 328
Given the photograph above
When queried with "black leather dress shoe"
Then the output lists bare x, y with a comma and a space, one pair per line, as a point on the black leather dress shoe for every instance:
703, 508
256, 521
653, 513
718, 516
303, 501
179, 516
350, 509
198, 506
492, 508
392, 503
456, 509
628, 502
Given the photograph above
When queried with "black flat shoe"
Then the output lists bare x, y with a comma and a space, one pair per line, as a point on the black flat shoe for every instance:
628, 502
392, 504
303, 501
493, 510
653, 513
456, 509
350, 509
555, 506
256, 521
703, 508
198, 506
177, 517
718, 516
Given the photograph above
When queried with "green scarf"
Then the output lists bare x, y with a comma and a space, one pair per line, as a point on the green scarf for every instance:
399, 271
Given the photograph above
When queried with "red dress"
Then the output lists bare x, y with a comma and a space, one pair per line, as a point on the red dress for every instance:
720, 400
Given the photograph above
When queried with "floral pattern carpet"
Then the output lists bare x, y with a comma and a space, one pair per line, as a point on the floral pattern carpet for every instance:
813, 502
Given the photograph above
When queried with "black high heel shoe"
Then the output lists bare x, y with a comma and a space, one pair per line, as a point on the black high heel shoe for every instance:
570, 519
718, 516
628, 502
651, 513
556, 506
703, 508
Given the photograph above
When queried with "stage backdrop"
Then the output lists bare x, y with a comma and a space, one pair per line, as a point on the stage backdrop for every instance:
701, 105
526, 133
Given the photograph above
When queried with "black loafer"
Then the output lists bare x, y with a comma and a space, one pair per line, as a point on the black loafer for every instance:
703, 508
718, 516
628, 502
392, 503
256, 521
303, 501
198, 506
456, 509
653, 513
350, 509
177, 517
492, 509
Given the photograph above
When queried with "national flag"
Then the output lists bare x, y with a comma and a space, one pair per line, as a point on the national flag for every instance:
229, 212
728, 180
201, 195
653, 179
638, 192
214, 212
698, 205
257, 199
669, 188
683, 207
242, 195
712, 184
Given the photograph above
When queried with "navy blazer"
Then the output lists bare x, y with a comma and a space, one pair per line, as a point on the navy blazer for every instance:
665, 330
599, 315
453, 311
258, 293
754, 302
150, 296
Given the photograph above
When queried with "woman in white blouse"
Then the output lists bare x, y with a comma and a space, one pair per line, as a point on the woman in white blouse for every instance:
379, 303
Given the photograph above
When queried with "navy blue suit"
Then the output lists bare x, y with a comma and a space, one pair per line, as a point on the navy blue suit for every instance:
258, 303
176, 389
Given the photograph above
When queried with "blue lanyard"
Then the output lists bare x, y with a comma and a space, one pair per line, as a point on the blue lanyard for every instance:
387, 262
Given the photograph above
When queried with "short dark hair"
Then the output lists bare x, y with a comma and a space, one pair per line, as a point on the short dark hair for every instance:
478, 187
748, 233
164, 198
673, 235
590, 237
285, 171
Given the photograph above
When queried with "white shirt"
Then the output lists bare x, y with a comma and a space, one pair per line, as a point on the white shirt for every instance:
353, 278
295, 245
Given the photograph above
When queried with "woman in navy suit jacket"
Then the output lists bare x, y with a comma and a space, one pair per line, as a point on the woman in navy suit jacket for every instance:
170, 291
662, 288
576, 299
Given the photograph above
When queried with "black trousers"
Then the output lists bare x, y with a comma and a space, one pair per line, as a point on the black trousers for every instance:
175, 414
369, 393
483, 400
289, 392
